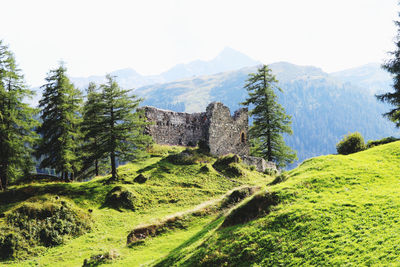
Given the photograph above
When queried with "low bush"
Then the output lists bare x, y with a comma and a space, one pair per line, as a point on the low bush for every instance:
279, 179
156, 150
120, 198
229, 165
189, 157
238, 195
140, 179
42, 221
100, 259
351, 143
382, 141
257, 206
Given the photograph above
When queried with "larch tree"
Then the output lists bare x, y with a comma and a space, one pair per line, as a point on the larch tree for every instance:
17, 121
92, 154
60, 106
120, 126
269, 119
393, 67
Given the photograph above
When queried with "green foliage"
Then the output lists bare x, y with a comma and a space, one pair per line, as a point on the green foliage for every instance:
237, 195
393, 67
386, 140
92, 154
118, 126
100, 259
280, 178
270, 121
60, 106
16, 121
259, 205
229, 165
156, 150
120, 198
351, 143
189, 156
43, 221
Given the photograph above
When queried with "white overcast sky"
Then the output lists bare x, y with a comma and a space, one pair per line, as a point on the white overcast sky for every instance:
96, 37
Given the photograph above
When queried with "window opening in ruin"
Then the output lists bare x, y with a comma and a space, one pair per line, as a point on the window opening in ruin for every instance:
243, 138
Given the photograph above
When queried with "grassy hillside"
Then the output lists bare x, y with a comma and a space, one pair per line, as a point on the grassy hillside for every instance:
332, 210
181, 193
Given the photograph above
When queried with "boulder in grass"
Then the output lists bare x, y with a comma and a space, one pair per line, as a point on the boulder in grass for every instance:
140, 179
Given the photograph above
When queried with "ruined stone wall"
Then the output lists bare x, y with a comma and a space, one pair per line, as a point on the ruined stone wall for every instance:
226, 133
260, 163
175, 128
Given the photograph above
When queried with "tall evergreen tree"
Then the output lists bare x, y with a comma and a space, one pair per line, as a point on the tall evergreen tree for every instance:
60, 106
120, 126
92, 154
393, 67
16, 121
269, 119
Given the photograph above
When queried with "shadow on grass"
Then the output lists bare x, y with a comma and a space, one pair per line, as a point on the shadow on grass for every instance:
75, 191
176, 254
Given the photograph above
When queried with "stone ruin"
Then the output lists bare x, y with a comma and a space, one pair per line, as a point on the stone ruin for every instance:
222, 133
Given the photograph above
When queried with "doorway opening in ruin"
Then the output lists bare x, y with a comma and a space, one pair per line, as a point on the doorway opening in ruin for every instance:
243, 137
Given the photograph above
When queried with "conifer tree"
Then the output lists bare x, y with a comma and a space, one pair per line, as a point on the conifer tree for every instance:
393, 67
269, 119
120, 126
16, 121
60, 106
92, 153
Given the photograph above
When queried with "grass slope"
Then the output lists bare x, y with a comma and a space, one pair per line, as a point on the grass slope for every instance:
174, 185
333, 210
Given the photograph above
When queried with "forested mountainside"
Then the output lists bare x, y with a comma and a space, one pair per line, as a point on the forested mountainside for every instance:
322, 106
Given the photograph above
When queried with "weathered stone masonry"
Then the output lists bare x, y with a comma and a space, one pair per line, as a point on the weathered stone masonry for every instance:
219, 130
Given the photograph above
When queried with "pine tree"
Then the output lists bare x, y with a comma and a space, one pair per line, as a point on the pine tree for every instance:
60, 106
269, 119
16, 121
120, 126
393, 67
92, 154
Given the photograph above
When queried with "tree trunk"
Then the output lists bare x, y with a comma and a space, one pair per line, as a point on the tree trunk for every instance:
96, 161
3, 177
113, 166
96, 167
112, 154
269, 146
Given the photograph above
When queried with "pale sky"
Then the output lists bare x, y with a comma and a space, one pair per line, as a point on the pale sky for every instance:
95, 37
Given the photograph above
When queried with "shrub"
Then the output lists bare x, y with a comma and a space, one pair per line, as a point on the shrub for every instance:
382, 141
259, 205
271, 171
279, 179
228, 165
41, 221
351, 143
188, 157
100, 259
119, 197
11, 244
238, 195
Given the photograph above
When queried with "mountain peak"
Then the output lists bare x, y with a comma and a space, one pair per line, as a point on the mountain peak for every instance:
230, 59
125, 72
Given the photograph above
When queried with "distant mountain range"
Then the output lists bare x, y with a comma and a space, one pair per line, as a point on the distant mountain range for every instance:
228, 59
323, 106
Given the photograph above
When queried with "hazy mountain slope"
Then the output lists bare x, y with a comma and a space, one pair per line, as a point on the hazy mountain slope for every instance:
370, 77
227, 59
323, 108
